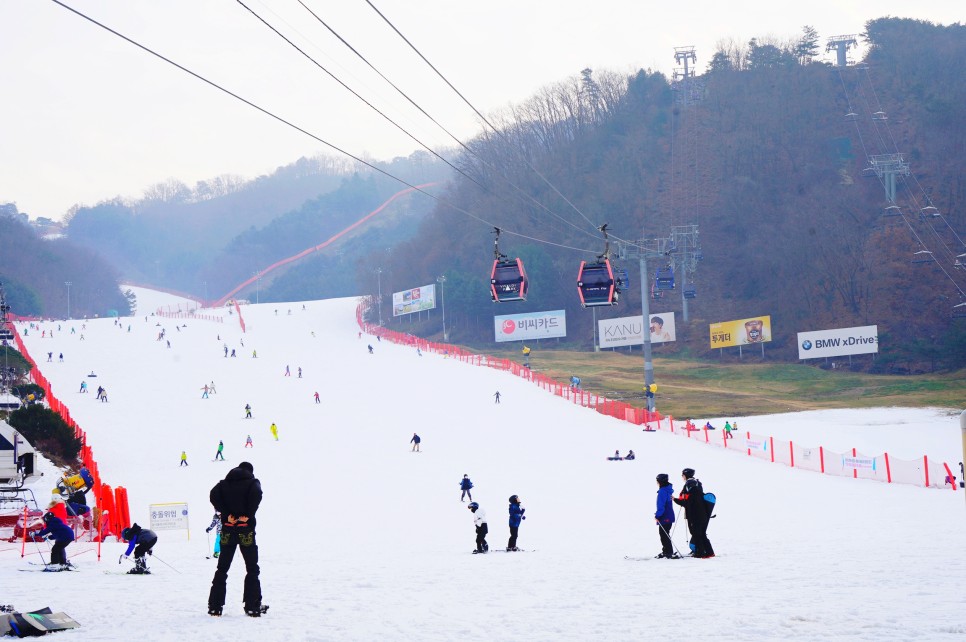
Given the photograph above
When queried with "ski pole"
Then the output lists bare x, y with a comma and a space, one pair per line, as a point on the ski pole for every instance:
208, 538
669, 537
166, 564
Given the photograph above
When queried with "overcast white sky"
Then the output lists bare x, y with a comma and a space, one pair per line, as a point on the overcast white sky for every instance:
85, 116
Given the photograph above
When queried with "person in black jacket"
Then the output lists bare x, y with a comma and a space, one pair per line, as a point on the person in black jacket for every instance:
696, 512
237, 497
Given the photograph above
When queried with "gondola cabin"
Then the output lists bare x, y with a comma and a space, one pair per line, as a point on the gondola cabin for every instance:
664, 280
508, 281
690, 291
596, 285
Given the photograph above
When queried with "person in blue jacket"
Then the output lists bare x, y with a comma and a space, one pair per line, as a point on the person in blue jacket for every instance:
62, 534
664, 516
465, 486
415, 442
516, 514
141, 541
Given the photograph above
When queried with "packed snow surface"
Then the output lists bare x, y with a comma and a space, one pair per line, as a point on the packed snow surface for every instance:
362, 539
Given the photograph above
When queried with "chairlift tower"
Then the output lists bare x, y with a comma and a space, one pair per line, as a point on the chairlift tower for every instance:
887, 167
687, 89
841, 45
683, 56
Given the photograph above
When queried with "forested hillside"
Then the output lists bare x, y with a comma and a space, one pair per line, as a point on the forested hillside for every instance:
767, 152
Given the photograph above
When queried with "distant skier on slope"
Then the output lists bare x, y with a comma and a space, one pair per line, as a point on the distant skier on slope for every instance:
220, 454
465, 486
216, 524
248, 442
415, 442
274, 430
248, 411
479, 522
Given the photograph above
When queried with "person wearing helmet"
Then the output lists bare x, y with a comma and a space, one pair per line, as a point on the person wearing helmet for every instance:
696, 513
62, 534
516, 515
140, 541
465, 486
479, 521
664, 516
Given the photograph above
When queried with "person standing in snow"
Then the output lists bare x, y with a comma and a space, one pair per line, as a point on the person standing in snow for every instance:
216, 525
516, 515
237, 498
248, 411
248, 442
696, 513
415, 442
141, 541
727, 430
317, 398
300, 372
664, 516
496, 397
211, 388
83, 387
274, 430
479, 521
204, 393
184, 459
370, 348
465, 486
287, 372
220, 454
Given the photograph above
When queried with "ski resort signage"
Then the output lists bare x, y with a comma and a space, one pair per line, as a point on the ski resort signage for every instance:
532, 325
838, 342
741, 332
169, 517
858, 462
415, 300
629, 331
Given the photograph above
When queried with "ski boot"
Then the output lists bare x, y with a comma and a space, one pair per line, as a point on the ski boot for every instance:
140, 567
214, 611
257, 611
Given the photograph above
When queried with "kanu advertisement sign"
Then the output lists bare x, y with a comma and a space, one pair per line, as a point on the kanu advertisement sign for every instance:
629, 331
415, 300
532, 325
838, 342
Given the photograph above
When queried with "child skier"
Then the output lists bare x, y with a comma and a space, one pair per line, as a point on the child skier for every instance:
415, 442
216, 524
664, 517
465, 486
141, 541
516, 514
479, 521
184, 459
219, 455
248, 411
274, 430
62, 534
248, 442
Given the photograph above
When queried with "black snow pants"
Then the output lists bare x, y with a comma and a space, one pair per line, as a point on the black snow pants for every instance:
664, 531
513, 537
58, 554
481, 532
699, 537
232, 539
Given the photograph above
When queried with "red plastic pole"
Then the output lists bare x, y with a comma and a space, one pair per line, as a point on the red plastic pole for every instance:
949, 475
888, 470
791, 452
925, 466
771, 446
821, 457
707, 439
748, 436
855, 471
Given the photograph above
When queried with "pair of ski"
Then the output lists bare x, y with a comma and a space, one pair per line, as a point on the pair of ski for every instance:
49, 568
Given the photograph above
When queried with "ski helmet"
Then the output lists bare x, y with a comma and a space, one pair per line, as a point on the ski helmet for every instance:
663, 478
473, 506
688, 472
126, 534
514, 499
47, 517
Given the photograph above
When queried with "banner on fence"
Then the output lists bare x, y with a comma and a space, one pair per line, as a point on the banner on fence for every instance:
741, 332
629, 331
756, 444
838, 342
858, 462
169, 517
531, 325
414, 300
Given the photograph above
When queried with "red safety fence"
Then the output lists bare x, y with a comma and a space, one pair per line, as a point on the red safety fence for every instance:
917, 472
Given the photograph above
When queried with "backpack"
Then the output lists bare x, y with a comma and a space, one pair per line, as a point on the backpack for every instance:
711, 501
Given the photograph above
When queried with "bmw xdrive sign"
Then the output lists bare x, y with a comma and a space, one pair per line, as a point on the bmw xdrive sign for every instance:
838, 342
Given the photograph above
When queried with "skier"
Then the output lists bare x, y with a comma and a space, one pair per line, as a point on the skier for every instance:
219, 454
317, 398
300, 372
204, 394
103, 395
516, 514
630, 456
248, 442
465, 486
727, 429
50, 357
236, 498
696, 512
83, 387
226, 351
287, 373
61, 357
664, 517
184, 459
211, 388
370, 348
274, 430
248, 411
141, 541
415, 442
100, 392
216, 524
496, 397
232, 353
62, 534
479, 521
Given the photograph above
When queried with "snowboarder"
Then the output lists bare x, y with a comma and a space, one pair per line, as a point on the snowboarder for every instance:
465, 486
317, 398
62, 534
248, 442
140, 541
664, 517
248, 411
696, 512
274, 430
630, 456
184, 459
216, 524
496, 397
516, 514
415, 442
219, 454
236, 498
479, 521
616, 457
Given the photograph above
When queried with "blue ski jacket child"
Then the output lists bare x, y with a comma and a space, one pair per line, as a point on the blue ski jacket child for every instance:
665, 509
58, 530
466, 484
516, 514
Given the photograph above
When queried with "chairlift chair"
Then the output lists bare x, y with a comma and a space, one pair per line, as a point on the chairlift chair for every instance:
892, 210
959, 311
880, 115
690, 292
930, 211
664, 279
923, 256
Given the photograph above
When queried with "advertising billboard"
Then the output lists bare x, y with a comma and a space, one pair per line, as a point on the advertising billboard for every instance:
415, 300
628, 331
531, 325
838, 342
741, 332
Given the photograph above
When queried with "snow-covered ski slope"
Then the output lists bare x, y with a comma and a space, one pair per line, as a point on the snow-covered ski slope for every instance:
361, 539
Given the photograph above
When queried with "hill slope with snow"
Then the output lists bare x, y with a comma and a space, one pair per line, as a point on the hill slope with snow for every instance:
362, 539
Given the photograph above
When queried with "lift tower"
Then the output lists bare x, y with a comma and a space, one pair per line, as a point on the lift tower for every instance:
887, 167
841, 45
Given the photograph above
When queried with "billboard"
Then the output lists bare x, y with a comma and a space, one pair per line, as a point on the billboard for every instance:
741, 332
530, 325
628, 331
166, 517
838, 342
415, 300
